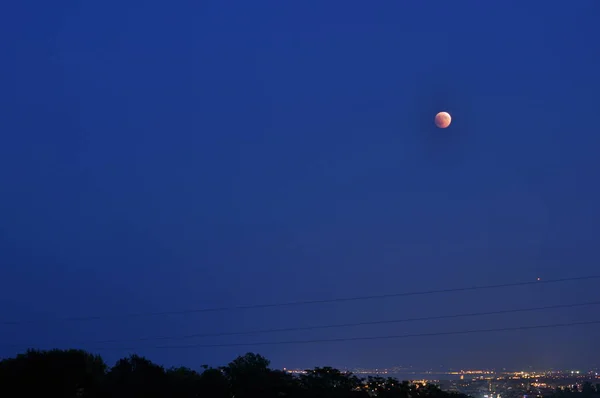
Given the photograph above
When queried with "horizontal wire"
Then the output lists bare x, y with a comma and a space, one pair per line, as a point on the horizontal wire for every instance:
345, 325
336, 340
299, 303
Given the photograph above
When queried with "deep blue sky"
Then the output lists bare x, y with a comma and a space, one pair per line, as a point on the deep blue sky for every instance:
168, 156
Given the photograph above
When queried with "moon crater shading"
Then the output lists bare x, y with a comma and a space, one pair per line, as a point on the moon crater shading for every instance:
443, 120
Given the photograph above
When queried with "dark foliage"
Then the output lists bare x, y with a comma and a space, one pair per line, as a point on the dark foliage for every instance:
76, 373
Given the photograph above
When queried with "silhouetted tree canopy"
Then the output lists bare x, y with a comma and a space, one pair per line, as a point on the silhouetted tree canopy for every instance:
388, 387
67, 373
330, 382
76, 373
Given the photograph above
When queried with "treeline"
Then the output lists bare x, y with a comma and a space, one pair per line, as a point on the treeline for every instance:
76, 373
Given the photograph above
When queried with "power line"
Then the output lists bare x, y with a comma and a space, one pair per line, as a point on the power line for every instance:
306, 302
345, 325
339, 325
336, 340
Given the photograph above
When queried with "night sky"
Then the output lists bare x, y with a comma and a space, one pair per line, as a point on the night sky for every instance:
175, 156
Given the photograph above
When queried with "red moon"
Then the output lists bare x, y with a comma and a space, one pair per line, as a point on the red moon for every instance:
443, 120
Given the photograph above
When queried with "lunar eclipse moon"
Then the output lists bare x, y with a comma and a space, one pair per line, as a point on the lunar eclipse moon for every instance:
443, 120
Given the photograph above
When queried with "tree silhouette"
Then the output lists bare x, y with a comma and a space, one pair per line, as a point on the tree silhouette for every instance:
214, 384
68, 373
283, 385
248, 376
183, 382
136, 377
75, 373
388, 387
330, 382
